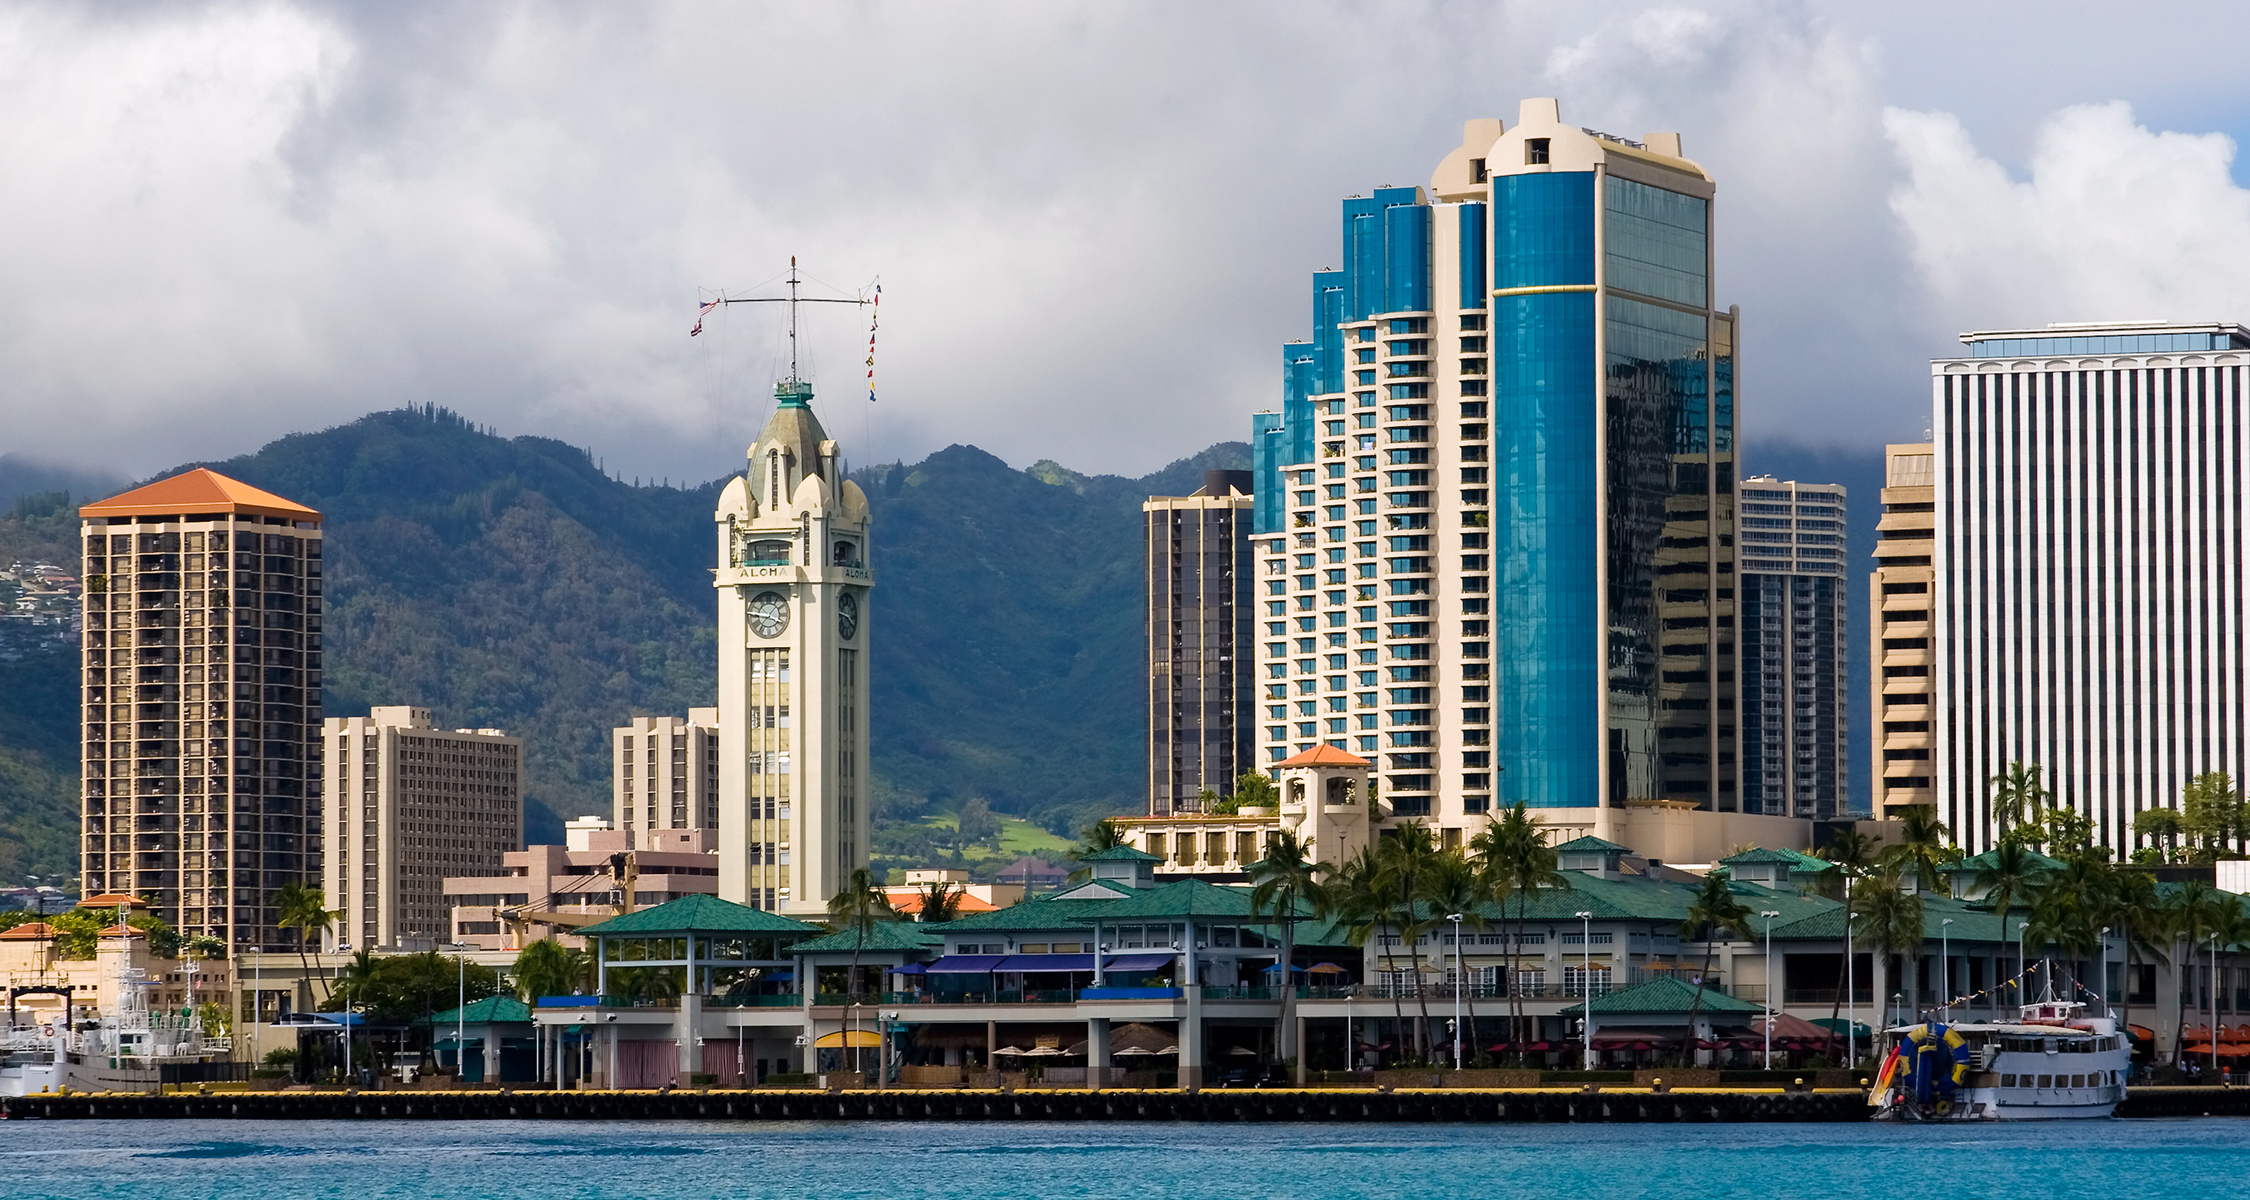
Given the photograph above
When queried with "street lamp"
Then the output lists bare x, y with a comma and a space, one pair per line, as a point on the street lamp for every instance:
1457, 981
1851, 992
345, 948
1945, 966
1769, 916
2020, 969
461, 1011
1586, 949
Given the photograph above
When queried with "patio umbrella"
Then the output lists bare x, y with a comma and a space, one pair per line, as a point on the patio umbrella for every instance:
1243, 1051
2203, 1048
1324, 969
1011, 1050
2141, 1033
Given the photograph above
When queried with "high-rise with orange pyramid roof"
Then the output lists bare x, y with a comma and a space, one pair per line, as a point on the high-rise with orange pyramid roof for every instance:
202, 702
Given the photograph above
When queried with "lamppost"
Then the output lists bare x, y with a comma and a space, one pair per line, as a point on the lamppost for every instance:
1586, 949
2021, 970
345, 948
1945, 966
1851, 989
2212, 980
461, 1011
1769, 916
1458, 980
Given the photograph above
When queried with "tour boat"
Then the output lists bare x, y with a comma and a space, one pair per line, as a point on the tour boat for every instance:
2054, 1063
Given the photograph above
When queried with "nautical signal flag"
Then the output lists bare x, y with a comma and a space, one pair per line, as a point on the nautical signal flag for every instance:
874, 322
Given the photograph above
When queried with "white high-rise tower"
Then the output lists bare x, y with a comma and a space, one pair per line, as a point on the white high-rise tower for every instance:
793, 634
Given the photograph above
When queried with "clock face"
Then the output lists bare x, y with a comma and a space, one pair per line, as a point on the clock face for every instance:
769, 614
847, 615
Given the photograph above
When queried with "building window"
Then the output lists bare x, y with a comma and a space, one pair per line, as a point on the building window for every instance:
1534, 152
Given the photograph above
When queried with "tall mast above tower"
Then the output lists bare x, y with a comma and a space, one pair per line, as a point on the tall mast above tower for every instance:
792, 392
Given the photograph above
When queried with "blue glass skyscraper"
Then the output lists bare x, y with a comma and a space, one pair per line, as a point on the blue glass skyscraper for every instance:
1495, 537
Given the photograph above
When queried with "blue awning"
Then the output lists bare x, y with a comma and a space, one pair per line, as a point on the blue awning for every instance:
966, 964
1139, 962
910, 969
1047, 962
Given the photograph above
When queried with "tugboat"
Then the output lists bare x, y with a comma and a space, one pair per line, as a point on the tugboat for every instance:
2055, 1063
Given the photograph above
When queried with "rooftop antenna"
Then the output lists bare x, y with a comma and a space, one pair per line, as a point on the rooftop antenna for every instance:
792, 392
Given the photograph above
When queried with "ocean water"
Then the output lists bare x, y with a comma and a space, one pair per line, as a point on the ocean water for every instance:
252, 1160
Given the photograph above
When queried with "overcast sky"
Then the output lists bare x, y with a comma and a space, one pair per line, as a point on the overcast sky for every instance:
1093, 224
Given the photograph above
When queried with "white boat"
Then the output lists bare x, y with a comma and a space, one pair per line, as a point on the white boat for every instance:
2055, 1063
122, 1051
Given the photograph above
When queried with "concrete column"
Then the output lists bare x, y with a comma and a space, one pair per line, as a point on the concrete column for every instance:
1097, 1052
992, 1043
1191, 1040
609, 1077
1301, 1049
492, 1054
691, 1021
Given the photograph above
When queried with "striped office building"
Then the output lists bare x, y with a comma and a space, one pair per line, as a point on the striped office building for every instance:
2089, 566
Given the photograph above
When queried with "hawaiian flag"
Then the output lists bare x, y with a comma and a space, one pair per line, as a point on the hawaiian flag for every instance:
701, 312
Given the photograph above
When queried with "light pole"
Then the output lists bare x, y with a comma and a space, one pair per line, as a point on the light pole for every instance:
1457, 982
461, 1011
1851, 989
345, 948
1769, 916
1586, 974
1945, 966
2020, 970
2212, 980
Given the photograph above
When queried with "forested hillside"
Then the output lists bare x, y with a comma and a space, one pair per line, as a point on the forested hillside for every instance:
508, 582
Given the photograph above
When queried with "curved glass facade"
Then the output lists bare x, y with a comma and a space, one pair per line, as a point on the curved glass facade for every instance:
1546, 613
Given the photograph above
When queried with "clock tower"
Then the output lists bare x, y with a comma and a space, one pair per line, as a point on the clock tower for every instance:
792, 579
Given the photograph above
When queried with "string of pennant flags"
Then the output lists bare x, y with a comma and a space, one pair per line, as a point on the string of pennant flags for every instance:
874, 320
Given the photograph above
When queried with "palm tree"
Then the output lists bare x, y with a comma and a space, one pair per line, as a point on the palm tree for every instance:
1286, 882
1356, 894
2195, 912
1408, 856
940, 901
304, 909
2013, 877
1101, 835
1456, 884
1924, 846
2017, 796
1852, 853
1518, 862
1893, 919
858, 906
1713, 911
2140, 917
547, 968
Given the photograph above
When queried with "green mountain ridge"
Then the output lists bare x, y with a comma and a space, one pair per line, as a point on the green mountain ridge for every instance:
509, 582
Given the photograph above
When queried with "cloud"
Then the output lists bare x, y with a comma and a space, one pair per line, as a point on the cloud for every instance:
1093, 223
2112, 221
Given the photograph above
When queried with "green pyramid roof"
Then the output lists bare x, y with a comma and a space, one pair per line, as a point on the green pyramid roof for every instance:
1663, 995
700, 914
1589, 844
1984, 862
881, 936
1187, 899
492, 1010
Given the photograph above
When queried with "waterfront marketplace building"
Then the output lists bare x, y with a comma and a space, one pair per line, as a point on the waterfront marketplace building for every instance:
1122, 981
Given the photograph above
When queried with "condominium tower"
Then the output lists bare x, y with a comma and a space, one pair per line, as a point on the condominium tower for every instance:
201, 702
1793, 678
1898, 630
2090, 561
793, 581
406, 804
665, 772
1495, 514
1196, 561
